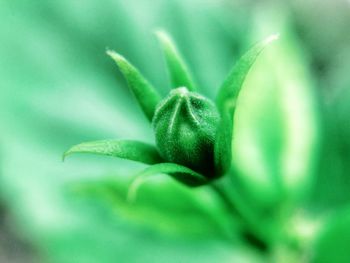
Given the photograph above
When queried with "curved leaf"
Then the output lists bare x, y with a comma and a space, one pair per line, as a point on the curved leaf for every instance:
160, 207
231, 87
276, 126
126, 149
179, 172
331, 240
179, 73
226, 102
146, 95
222, 146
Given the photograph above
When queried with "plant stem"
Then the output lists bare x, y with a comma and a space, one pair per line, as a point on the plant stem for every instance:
239, 209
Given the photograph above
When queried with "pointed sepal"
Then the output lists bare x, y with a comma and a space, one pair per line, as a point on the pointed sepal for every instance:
180, 75
180, 173
145, 93
125, 149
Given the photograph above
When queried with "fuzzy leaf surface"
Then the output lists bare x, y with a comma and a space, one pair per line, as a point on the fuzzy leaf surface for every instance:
178, 70
146, 95
125, 149
222, 146
180, 173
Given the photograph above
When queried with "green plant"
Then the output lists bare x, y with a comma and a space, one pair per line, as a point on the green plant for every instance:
290, 152
193, 135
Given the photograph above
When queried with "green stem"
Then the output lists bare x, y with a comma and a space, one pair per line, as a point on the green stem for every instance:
250, 222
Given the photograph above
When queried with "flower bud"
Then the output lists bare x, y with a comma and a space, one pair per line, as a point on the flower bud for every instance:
185, 125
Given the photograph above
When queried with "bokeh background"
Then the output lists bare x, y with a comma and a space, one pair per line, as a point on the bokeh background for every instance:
58, 88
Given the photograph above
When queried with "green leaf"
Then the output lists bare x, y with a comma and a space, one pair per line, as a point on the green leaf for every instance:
77, 231
146, 95
126, 149
276, 137
179, 73
222, 146
332, 242
179, 172
226, 101
228, 93
335, 155
160, 206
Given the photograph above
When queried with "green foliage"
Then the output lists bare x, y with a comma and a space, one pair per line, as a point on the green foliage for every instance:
180, 75
276, 129
126, 149
333, 240
227, 103
223, 144
146, 95
186, 129
58, 89
179, 172
146, 207
335, 159
187, 126
228, 92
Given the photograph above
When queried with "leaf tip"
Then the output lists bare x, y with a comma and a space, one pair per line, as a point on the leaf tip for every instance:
271, 38
67, 153
115, 56
165, 39
64, 155
161, 34
133, 189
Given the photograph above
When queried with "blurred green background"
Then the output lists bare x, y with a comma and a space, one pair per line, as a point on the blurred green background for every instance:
58, 88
